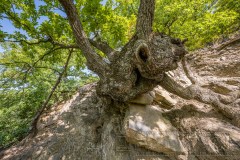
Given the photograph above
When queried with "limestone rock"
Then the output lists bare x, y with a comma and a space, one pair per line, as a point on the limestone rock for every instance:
163, 97
146, 98
76, 132
146, 127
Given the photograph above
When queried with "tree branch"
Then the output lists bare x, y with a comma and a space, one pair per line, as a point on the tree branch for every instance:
170, 85
42, 57
94, 61
103, 46
99, 44
14, 18
27, 42
44, 105
48, 40
44, 67
145, 18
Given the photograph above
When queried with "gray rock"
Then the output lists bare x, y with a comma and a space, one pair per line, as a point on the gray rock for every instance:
163, 97
146, 127
146, 98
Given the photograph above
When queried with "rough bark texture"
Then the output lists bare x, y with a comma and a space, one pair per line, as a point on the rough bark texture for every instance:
145, 18
158, 125
140, 66
94, 61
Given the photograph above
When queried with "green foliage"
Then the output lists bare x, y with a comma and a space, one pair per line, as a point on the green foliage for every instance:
25, 84
32, 60
200, 21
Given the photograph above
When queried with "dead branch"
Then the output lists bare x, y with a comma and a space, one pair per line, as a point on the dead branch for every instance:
34, 129
187, 71
203, 95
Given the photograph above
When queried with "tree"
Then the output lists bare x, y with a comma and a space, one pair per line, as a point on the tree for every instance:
141, 60
142, 63
136, 67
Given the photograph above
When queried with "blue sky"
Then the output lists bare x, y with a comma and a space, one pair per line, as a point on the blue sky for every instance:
8, 27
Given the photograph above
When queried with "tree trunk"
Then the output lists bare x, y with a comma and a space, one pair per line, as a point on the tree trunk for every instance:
196, 117
140, 64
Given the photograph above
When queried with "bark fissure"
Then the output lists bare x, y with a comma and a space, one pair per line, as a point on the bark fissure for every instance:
151, 54
142, 63
138, 68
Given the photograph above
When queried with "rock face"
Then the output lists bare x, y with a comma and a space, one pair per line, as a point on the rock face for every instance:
164, 98
154, 126
81, 128
145, 126
146, 98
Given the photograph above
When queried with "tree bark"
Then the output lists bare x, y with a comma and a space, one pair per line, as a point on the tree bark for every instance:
145, 18
104, 47
142, 61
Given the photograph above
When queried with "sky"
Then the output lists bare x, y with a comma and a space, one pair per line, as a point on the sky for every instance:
8, 27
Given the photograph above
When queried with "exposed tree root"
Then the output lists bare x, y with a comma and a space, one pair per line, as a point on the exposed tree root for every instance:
205, 96
228, 43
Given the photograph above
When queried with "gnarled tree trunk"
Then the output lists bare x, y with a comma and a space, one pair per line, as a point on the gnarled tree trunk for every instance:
141, 63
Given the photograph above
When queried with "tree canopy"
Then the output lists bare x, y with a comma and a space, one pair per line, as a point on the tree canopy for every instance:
35, 52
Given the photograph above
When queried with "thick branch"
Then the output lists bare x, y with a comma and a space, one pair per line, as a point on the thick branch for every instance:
170, 85
94, 61
145, 18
